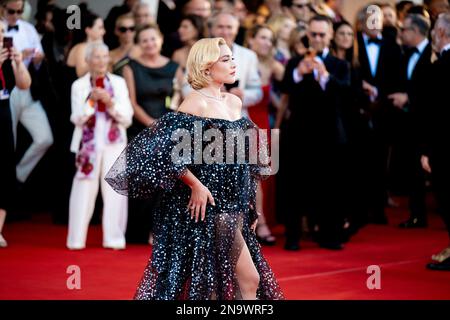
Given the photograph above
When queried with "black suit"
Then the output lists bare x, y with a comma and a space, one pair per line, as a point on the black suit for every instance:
381, 116
316, 136
388, 77
418, 90
437, 133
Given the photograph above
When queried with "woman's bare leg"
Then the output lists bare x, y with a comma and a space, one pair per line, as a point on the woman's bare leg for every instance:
247, 275
2, 218
2, 222
262, 230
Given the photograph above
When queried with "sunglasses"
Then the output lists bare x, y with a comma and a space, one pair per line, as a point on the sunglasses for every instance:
405, 28
13, 12
300, 6
125, 29
318, 34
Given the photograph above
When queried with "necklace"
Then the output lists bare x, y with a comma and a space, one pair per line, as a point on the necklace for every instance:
211, 97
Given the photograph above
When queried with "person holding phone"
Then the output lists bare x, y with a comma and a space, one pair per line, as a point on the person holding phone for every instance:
12, 73
317, 128
26, 110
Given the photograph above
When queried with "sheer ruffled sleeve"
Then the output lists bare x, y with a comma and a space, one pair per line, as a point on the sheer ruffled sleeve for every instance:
146, 166
261, 170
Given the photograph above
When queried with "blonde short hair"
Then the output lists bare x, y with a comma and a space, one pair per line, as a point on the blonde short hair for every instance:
203, 54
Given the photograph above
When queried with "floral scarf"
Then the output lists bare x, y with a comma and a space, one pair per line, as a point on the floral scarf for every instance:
86, 156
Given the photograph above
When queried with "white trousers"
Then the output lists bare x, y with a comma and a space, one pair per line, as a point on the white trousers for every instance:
82, 202
32, 116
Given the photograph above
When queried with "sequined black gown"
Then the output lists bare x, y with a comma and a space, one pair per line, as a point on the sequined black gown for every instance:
194, 261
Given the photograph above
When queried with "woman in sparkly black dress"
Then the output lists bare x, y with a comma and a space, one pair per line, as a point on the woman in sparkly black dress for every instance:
205, 246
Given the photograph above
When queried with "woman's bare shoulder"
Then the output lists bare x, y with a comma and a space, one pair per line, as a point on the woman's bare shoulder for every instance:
235, 102
75, 52
193, 104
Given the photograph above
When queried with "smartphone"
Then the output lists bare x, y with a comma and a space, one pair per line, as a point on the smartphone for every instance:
230, 86
305, 41
7, 42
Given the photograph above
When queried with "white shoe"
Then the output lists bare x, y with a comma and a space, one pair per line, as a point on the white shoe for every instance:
3, 243
115, 247
74, 248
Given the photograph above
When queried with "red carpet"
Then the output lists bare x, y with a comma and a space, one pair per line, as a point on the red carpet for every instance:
34, 265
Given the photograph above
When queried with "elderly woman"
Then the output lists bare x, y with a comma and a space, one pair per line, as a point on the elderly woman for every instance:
101, 112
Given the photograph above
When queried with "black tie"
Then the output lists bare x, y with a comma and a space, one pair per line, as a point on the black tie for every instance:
16, 27
374, 40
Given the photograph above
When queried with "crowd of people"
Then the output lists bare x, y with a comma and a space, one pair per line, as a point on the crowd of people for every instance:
359, 104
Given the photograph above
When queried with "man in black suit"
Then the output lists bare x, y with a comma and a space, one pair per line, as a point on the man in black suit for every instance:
380, 70
413, 101
436, 159
314, 84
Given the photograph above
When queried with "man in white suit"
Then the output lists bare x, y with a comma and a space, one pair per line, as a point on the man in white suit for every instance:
24, 108
101, 112
226, 25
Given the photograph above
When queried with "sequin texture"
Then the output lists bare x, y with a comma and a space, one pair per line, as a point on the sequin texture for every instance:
194, 261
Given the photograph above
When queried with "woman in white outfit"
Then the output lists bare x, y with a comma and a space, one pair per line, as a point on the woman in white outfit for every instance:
101, 112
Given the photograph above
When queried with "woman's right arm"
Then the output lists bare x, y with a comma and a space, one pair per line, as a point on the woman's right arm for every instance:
21, 74
81, 65
139, 112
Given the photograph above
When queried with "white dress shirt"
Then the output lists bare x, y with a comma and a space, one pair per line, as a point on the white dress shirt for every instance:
373, 53
446, 48
25, 38
415, 57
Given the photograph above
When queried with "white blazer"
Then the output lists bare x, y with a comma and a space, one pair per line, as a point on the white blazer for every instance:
122, 111
247, 74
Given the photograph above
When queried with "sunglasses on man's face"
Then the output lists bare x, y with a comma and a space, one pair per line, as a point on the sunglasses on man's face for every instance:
300, 5
125, 29
13, 12
318, 34
402, 29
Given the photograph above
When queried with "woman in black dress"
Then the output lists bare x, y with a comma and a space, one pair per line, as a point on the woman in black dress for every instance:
12, 73
205, 244
150, 79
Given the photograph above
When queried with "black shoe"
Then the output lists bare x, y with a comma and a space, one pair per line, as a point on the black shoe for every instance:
291, 246
20, 186
413, 223
348, 233
443, 266
331, 245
